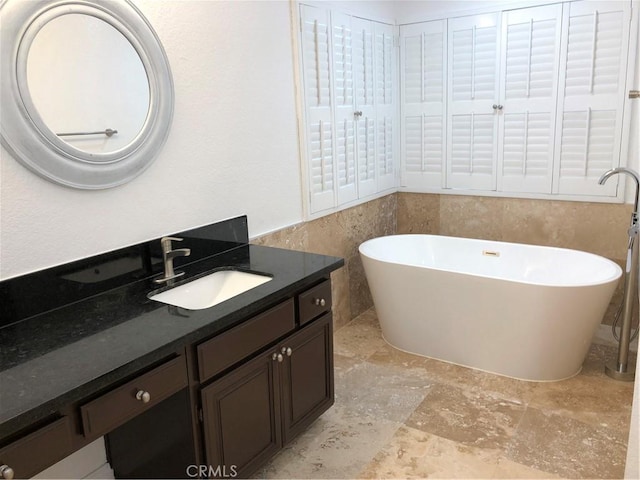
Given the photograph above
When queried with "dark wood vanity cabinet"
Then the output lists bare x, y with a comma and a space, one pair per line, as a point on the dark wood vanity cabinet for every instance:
253, 387
251, 412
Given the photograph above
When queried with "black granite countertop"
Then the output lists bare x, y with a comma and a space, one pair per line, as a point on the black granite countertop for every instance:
69, 353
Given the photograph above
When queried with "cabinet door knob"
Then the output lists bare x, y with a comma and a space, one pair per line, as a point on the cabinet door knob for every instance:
143, 396
320, 301
286, 351
278, 357
6, 472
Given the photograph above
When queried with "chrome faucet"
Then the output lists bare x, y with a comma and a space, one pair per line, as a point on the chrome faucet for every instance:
168, 255
621, 369
626, 171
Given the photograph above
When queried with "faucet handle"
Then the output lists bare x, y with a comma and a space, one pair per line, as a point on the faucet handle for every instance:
171, 239
165, 242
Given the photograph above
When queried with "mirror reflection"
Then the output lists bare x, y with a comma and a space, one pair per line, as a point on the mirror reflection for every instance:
88, 83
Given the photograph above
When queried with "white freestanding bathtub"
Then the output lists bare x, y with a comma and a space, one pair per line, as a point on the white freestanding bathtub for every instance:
522, 311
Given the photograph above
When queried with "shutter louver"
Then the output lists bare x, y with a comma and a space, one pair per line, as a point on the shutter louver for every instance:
433, 86
346, 153
366, 156
474, 63
342, 64
386, 167
384, 67
363, 62
587, 141
473, 150
316, 50
321, 150
423, 144
527, 149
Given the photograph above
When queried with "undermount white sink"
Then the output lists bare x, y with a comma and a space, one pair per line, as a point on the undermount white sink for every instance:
210, 290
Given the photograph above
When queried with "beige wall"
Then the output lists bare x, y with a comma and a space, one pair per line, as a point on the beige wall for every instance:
340, 234
593, 227
599, 228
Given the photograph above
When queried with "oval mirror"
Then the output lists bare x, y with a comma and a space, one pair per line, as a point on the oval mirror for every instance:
90, 100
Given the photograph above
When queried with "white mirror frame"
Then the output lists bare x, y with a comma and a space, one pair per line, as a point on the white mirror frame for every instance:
23, 131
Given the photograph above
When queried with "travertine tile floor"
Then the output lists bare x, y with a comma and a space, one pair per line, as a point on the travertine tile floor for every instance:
403, 416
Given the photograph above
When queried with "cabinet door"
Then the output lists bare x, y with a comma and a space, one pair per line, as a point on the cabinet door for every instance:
345, 121
424, 89
473, 63
316, 62
307, 383
590, 107
364, 81
386, 134
241, 414
529, 91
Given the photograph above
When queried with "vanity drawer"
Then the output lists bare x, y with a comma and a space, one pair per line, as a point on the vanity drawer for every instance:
123, 403
314, 302
231, 347
38, 450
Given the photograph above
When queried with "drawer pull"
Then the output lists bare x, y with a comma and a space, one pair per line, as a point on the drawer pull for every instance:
6, 472
320, 301
144, 397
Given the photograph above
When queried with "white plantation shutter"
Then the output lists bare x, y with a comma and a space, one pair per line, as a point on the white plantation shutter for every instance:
530, 60
365, 88
316, 62
423, 69
385, 64
342, 47
473, 63
590, 107
350, 121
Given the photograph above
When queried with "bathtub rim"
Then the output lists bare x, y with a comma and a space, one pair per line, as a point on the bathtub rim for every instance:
617, 267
